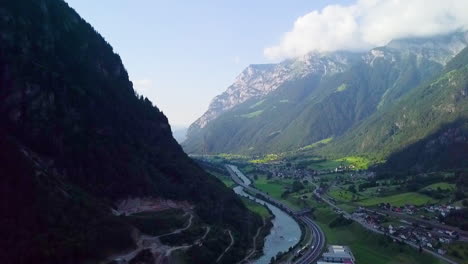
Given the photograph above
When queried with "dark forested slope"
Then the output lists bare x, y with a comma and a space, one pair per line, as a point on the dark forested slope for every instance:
75, 138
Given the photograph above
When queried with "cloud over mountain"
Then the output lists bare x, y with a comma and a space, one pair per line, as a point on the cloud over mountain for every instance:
369, 23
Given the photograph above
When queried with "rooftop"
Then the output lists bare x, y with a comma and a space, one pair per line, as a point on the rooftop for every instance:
337, 254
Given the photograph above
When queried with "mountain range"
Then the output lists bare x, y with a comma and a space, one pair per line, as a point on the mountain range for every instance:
342, 98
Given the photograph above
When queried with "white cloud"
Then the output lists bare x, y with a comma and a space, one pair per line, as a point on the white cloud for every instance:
369, 23
237, 59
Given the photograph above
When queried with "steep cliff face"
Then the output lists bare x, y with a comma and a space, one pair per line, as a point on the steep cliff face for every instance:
258, 80
254, 81
76, 139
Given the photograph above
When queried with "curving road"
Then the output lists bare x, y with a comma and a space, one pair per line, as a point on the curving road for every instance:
318, 242
318, 237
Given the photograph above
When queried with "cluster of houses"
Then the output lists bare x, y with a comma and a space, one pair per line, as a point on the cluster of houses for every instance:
405, 231
443, 210
427, 212
433, 240
342, 168
280, 170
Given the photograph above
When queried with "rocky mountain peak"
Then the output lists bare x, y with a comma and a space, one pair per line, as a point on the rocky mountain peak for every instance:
258, 80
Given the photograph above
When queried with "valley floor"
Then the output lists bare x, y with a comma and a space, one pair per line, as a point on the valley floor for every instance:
369, 246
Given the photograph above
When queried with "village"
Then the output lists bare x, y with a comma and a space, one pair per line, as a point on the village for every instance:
400, 230
418, 226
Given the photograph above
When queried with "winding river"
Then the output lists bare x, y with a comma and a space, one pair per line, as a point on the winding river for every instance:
285, 232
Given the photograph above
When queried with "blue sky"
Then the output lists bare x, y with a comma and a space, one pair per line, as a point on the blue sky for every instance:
181, 54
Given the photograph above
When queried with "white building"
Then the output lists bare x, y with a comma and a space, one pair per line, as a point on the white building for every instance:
337, 254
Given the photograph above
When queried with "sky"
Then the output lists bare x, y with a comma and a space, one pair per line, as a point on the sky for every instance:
181, 54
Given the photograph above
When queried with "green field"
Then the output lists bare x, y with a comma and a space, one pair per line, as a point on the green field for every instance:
275, 188
399, 199
458, 251
441, 185
342, 195
228, 183
267, 158
272, 187
357, 162
366, 246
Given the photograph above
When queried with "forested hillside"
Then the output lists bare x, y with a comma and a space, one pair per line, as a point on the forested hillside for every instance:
75, 139
427, 129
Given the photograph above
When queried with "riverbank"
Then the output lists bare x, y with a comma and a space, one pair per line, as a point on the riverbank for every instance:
312, 242
285, 232
310, 253
263, 231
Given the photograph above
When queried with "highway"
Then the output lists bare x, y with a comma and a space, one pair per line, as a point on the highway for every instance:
318, 237
370, 228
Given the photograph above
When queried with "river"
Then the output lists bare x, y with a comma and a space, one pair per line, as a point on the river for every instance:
285, 232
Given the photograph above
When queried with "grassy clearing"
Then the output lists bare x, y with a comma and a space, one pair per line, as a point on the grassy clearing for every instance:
341, 88
275, 188
224, 178
267, 158
295, 201
330, 177
272, 187
368, 247
317, 144
256, 208
441, 185
458, 251
342, 195
347, 207
229, 183
257, 104
399, 199
229, 156
252, 114
358, 162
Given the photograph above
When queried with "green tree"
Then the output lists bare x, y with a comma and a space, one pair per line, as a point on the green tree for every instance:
297, 186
